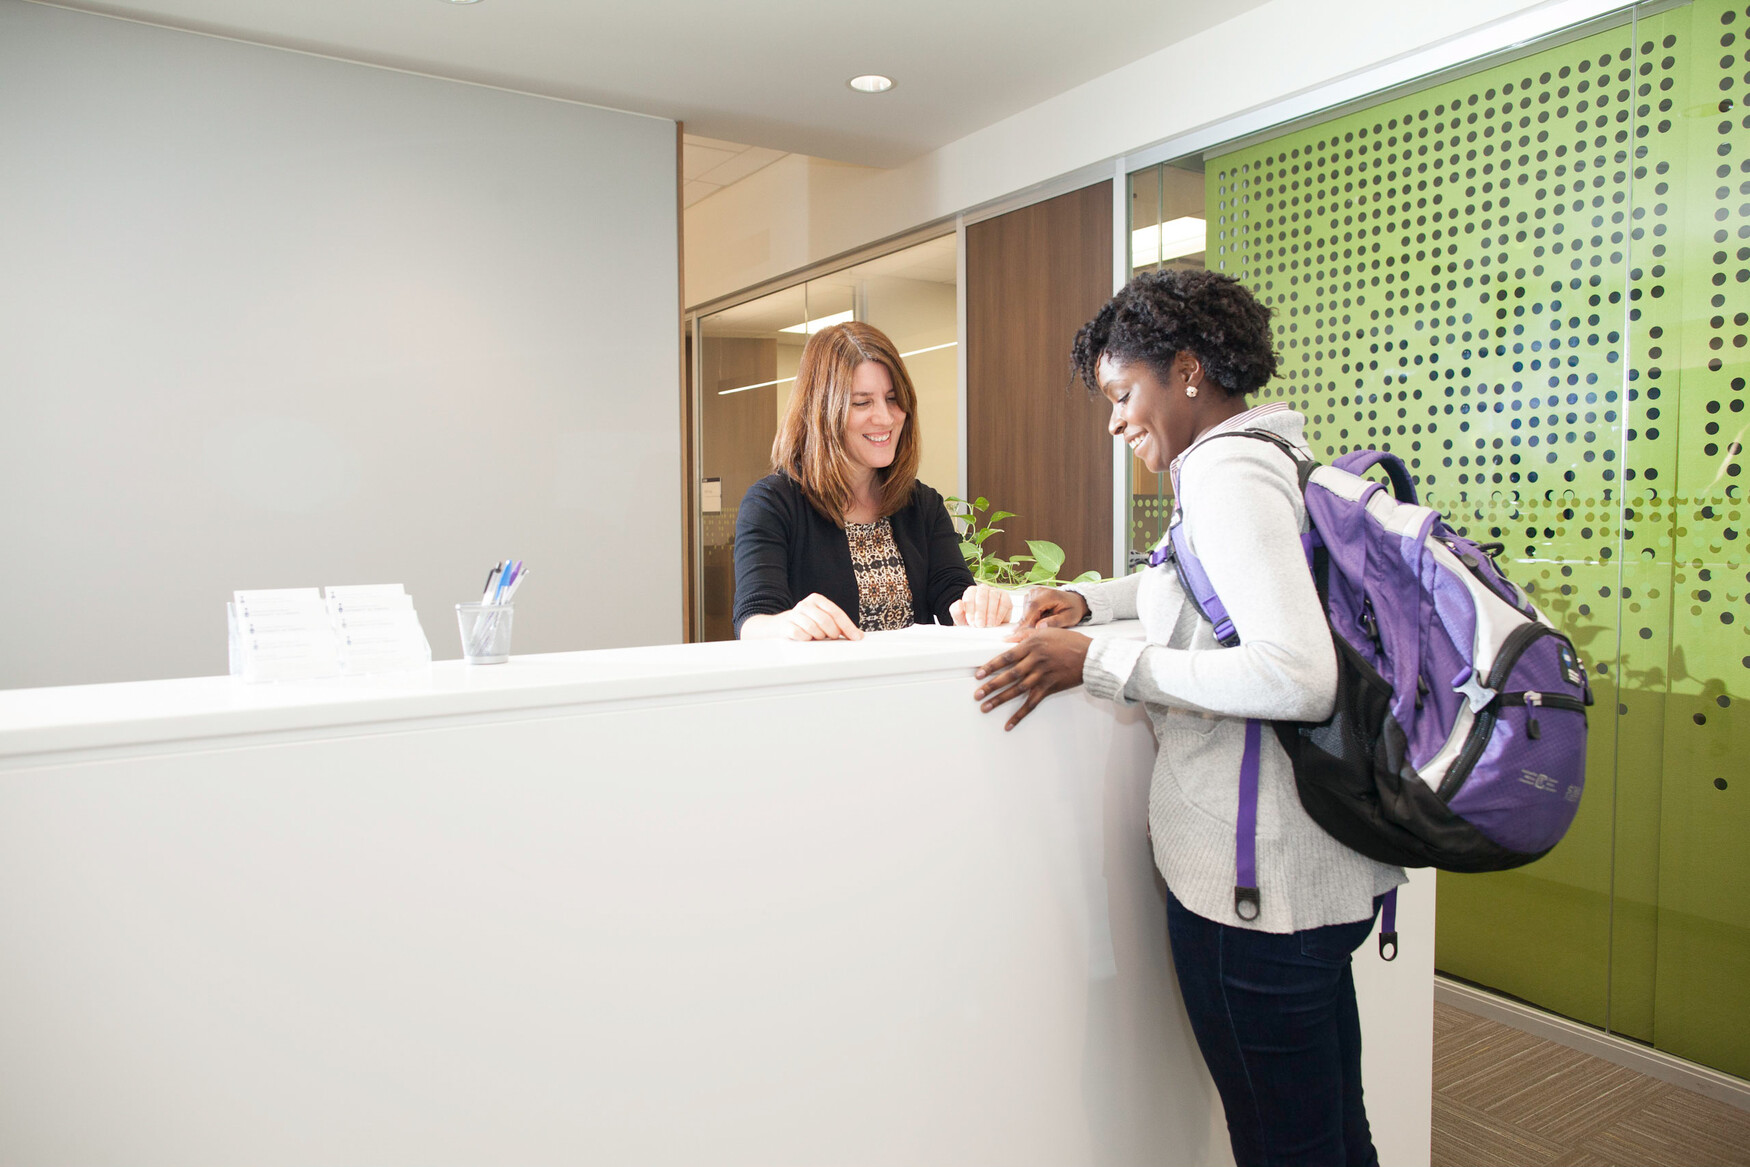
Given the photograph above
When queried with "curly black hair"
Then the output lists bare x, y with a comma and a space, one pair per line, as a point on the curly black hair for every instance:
1160, 314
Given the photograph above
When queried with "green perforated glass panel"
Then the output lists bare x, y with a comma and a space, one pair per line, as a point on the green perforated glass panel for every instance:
1533, 283
1689, 650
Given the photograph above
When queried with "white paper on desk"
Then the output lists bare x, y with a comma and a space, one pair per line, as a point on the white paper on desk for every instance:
362, 596
264, 602
964, 633
379, 630
372, 616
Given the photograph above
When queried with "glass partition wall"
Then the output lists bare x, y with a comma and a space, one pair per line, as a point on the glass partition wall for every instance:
1168, 226
746, 365
1532, 282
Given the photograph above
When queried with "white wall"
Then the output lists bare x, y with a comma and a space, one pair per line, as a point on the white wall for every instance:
272, 320
801, 211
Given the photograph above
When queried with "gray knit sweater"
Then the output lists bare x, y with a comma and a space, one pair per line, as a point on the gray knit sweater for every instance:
1243, 516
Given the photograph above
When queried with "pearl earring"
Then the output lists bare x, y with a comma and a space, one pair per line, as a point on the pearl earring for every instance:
1190, 390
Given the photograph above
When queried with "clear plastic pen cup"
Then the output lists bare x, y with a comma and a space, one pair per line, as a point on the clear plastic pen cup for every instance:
485, 632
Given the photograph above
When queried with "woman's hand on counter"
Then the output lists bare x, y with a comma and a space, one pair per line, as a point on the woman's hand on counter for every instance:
1049, 608
1047, 661
815, 618
982, 606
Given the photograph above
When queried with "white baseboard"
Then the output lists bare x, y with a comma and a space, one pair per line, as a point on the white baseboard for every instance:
1618, 1050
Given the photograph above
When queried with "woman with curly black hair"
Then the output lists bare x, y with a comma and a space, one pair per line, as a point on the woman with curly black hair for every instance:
1266, 980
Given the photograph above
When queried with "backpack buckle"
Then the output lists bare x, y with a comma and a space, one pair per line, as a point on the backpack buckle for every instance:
1388, 946
1247, 903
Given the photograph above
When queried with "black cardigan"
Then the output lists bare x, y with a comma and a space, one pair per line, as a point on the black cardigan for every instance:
785, 549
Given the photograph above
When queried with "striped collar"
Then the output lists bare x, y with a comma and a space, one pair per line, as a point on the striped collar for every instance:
1240, 421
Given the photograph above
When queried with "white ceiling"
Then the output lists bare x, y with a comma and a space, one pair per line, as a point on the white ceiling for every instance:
770, 73
710, 164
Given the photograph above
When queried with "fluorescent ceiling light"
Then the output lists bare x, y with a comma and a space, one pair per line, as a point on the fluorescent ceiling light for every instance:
815, 325
1186, 235
871, 83
786, 380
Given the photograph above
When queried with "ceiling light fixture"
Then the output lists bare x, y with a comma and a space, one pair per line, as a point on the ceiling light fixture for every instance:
464, 1
786, 380
819, 322
1186, 235
871, 83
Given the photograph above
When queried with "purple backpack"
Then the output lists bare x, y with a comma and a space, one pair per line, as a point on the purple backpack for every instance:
1459, 735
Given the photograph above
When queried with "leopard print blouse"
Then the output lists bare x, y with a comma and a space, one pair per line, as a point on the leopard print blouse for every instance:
883, 595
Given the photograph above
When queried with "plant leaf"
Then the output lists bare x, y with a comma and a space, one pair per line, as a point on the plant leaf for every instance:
1087, 577
1048, 554
983, 503
999, 516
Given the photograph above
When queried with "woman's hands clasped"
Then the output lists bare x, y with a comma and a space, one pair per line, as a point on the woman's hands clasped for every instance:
1046, 659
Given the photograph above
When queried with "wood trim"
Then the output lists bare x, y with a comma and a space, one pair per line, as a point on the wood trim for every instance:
1036, 444
688, 415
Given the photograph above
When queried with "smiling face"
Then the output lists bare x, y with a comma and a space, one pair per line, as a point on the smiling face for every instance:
874, 420
1154, 418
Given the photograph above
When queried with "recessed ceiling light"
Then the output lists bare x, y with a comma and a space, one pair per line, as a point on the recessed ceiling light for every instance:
464, 1
871, 83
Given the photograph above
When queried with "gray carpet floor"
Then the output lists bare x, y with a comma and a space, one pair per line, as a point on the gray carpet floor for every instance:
1503, 1097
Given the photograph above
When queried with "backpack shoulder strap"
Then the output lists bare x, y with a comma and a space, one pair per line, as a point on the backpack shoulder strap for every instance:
1191, 573
1358, 462
1304, 464
1196, 583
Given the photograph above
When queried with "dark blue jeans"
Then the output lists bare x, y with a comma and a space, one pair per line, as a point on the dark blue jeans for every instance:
1275, 1017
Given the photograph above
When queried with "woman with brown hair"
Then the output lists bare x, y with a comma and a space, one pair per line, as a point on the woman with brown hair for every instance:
842, 538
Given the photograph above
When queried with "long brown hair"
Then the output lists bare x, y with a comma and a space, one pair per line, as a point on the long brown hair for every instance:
810, 446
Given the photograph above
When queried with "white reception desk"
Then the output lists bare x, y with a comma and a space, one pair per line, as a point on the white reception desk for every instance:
712, 904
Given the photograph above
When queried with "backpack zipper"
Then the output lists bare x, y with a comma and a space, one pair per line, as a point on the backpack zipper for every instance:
1542, 700
1535, 701
1511, 650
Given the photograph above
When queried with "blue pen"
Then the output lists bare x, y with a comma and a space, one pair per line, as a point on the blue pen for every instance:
503, 578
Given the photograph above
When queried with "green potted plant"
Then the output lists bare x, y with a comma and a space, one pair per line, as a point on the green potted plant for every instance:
1038, 569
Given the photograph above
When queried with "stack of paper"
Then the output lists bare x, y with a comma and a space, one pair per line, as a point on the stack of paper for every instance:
282, 634
289, 634
378, 629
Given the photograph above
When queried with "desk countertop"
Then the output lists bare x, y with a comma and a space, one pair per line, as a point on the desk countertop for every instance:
38, 723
